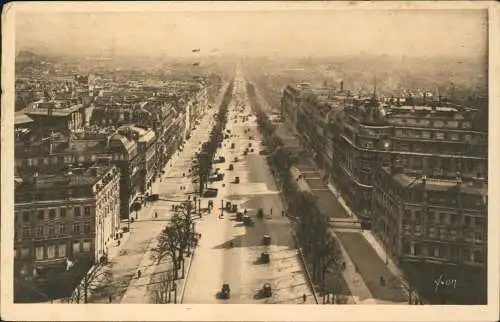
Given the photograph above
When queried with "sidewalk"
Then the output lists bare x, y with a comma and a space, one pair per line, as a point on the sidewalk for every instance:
373, 241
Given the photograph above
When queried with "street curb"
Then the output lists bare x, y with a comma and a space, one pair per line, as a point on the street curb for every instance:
181, 296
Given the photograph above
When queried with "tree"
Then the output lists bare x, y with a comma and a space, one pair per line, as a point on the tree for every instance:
95, 281
163, 289
168, 246
184, 224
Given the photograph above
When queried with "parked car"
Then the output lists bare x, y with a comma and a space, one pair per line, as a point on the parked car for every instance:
153, 197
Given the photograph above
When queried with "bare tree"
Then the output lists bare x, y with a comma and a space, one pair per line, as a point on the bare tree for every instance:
94, 282
163, 288
168, 246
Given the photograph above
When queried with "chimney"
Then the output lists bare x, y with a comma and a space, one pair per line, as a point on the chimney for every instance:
341, 85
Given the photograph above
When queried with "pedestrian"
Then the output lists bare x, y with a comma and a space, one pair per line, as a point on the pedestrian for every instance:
271, 211
139, 274
110, 299
304, 297
343, 265
282, 213
156, 214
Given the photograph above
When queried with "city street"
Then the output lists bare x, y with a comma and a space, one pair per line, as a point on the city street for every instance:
369, 264
215, 261
134, 254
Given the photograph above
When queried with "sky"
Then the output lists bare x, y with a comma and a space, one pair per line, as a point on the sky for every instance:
292, 33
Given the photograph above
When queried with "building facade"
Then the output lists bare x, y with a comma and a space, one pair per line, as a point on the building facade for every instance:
71, 216
435, 227
58, 153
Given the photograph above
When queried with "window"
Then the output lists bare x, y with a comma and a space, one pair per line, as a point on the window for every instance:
418, 215
454, 136
26, 216
478, 221
418, 230
453, 218
77, 211
453, 235
62, 229
432, 232
467, 220
52, 214
41, 214
87, 211
478, 256
76, 246
62, 212
430, 251
426, 135
62, 250
51, 251
430, 216
479, 237
51, 230
39, 252
438, 123
86, 227
453, 253
466, 125
76, 228
439, 135
86, 245
26, 232
407, 213
443, 252
442, 218
25, 253
442, 233
39, 232
465, 255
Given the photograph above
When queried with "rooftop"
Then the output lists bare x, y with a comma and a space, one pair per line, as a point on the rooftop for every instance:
432, 184
73, 178
21, 118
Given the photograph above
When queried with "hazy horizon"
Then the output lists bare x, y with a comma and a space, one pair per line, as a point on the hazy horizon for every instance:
293, 33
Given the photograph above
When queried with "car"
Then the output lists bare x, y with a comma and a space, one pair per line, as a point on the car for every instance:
266, 240
153, 197
237, 180
264, 258
267, 290
225, 292
247, 220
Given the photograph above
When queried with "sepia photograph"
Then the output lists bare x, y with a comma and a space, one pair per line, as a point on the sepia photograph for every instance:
321, 156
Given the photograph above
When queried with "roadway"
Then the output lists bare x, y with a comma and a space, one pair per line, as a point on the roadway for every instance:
215, 261
133, 253
370, 266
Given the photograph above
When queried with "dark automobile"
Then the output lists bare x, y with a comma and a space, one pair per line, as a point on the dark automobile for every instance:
153, 197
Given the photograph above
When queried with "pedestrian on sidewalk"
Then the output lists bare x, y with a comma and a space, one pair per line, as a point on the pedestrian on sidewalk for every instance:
139, 274
304, 298
156, 214
110, 299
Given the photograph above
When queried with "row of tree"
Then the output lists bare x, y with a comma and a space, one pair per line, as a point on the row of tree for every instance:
209, 148
176, 241
321, 250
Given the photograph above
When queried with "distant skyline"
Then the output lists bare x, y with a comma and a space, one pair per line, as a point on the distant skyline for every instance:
293, 33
